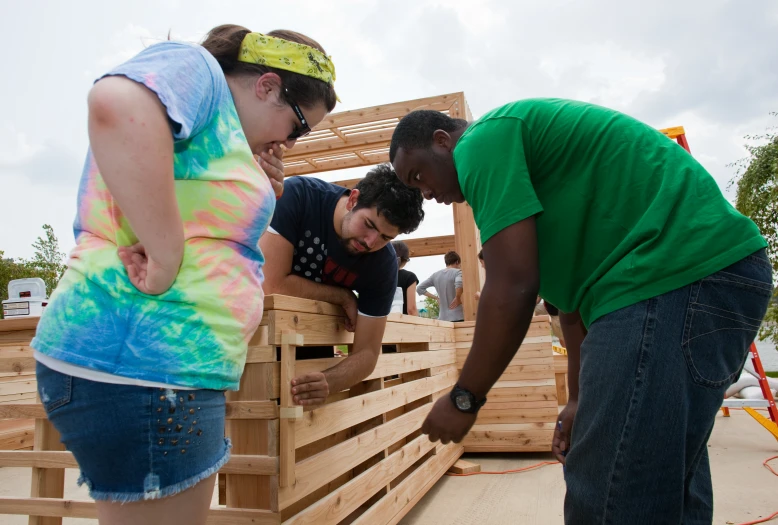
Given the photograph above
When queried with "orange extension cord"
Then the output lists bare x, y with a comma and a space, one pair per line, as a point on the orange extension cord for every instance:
544, 463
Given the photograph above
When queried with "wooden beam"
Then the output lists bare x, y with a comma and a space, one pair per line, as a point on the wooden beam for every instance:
287, 426
468, 243
348, 183
335, 417
317, 471
427, 246
47, 483
464, 467
59, 508
351, 138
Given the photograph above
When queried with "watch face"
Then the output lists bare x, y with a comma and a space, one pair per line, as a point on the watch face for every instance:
463, 402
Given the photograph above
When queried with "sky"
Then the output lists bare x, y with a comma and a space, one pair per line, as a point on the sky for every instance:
710, 66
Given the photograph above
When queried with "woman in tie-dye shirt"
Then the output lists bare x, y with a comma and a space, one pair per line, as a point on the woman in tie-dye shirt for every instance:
150, 324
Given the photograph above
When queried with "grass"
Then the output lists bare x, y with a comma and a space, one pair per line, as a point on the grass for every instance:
772, 374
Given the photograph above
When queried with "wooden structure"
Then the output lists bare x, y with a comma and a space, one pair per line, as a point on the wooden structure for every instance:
17, 381
362, 137
522, 407
358, 459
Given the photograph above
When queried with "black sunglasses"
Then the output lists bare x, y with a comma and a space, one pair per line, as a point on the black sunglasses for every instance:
304, 129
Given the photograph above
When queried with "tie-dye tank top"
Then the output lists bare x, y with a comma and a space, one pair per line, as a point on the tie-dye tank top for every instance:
195, 334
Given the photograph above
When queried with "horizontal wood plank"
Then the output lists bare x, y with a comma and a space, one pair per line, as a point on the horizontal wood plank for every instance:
317, 471
339, 504
238, 464
404, 496
349, 412
52, 507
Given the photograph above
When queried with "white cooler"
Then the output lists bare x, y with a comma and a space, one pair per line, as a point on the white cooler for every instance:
26, 298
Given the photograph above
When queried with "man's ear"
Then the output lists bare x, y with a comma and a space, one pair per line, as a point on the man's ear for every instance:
353, 197
268, 87
442, 139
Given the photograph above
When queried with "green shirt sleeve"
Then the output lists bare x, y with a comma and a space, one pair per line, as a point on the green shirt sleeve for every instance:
491, 163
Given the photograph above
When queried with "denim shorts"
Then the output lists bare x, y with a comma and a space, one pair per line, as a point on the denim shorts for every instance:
136, 443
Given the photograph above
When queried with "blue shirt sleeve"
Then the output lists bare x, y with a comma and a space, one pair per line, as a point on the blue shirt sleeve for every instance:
376, 298
185, 77
290, 209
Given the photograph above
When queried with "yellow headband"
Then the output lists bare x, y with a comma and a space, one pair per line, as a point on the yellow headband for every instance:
289, 56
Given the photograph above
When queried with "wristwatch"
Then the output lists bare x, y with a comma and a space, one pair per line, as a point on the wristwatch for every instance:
465, 401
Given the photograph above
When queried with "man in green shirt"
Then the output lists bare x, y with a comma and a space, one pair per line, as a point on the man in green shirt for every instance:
629, 237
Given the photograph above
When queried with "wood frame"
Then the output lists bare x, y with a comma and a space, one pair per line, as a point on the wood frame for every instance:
360, 458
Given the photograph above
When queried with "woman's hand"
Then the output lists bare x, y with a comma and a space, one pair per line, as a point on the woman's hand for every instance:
148, 275
271, 162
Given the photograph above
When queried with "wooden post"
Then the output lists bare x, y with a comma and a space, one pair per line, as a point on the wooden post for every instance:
468, 244
253, 437
289, 412
47, 482
466, 235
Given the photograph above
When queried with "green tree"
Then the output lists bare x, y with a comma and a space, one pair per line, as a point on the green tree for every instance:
757, 197
11, 269
432, 307
48, 263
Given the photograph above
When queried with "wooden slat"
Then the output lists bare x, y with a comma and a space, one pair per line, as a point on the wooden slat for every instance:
261, 353
322, 468
430, 245
287, 426
387, 365
22, 323
253, 437
22, 411
339, 504
86, 509
508, 441
234, 410
344, 414
298, 304
237, 464
251, 410
386, 111
325, 330
405, 495
349, 183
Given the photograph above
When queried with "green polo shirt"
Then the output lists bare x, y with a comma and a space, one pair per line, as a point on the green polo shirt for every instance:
623, 213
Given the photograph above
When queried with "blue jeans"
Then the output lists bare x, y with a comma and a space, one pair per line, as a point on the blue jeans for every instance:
135, 443
652, 378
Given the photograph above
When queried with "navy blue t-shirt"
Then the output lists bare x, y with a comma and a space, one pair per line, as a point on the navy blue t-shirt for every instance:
304, 217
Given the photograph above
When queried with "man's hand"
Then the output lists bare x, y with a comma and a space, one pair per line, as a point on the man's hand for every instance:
272, 163
146, 273
563, 431
478, 296
310, 389
456, 302
446, 423
349, 304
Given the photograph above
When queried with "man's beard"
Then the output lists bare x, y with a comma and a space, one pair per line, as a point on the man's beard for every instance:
346, 242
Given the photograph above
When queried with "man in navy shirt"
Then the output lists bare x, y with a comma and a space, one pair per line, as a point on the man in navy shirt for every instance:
326, 242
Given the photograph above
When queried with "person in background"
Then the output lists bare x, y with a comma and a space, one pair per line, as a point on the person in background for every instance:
406, 280
448, 283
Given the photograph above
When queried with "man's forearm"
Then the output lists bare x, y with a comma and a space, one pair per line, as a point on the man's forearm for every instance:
435, 297
354, 368
297, 286
574, 332
504, 315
